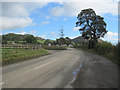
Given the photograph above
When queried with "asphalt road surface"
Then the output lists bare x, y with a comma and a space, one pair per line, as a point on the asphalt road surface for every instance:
52, 71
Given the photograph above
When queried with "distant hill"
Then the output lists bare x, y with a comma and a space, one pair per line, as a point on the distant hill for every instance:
81, 39
16, 37
100, 40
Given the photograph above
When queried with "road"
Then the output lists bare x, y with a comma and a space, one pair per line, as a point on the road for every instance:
46, 72
52, 71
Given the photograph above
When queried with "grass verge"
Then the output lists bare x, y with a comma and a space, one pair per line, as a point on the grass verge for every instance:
110, 57
16, 55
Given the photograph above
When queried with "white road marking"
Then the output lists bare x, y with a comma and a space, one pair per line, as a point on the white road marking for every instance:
1, 83
31, 70
45, 64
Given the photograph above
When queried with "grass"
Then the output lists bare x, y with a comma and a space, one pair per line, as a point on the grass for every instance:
55, 47
16, 55
21, 41
41, 41
16, 41
10, 41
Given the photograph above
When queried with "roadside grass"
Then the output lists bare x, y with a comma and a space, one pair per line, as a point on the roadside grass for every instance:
111, 56
16, 55
55, 47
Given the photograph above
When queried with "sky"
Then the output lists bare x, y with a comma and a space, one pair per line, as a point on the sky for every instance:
46, 18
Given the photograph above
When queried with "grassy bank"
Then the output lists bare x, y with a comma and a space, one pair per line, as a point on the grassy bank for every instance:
16, 55
105, 49
55, 47
109, 56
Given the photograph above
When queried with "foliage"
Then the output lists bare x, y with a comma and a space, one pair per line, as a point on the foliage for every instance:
18, 38
13, 37
103, 48
30, 39
61, 41
67, 41
92, 26
54, 47
48, 41
108, 50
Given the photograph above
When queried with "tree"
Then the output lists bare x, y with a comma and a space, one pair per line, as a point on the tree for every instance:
48, 41
61, 32
61, 41
67, 41
92, 26
30, 39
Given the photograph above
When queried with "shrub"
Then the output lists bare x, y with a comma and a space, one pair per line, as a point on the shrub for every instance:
55, 47
103, 48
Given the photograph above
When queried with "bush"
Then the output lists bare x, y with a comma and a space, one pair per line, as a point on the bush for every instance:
103, 48
55, 47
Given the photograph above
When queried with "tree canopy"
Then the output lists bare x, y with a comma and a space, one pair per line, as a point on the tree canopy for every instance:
92, 26
30, 39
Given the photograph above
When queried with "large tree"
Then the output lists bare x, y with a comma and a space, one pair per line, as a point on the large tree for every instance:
30, 39
67, 41
92, 26
61, 41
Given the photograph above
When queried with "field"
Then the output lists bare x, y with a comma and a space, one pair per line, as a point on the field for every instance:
16, 41
17, 55
41, 41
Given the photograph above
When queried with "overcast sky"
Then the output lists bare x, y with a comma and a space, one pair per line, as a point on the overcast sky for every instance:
45, 19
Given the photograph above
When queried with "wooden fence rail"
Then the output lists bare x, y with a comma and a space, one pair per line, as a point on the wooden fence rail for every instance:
25, 46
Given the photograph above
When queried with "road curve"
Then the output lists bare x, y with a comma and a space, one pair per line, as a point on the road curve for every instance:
52, 71
58, 70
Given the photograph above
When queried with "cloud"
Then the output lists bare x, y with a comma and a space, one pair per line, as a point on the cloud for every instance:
57, 11
22, 33
61, 1
54, 34
43, 36
47, 17
74, 8
16, 14
20, 9
13, 23
76, 28
73, 37
65, 19
45, 22
111, 37
112, 34
42, 23
32, 32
